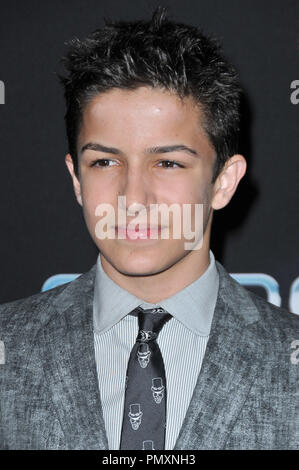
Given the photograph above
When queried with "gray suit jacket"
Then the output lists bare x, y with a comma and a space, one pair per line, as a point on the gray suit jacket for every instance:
49, 396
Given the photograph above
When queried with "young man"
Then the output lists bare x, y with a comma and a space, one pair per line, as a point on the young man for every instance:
156, 347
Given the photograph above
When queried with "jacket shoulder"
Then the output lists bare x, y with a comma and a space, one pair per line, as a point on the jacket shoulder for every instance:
28, 311
275, 322
25, 316
279, 322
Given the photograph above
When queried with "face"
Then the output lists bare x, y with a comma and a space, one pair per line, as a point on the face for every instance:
149, 146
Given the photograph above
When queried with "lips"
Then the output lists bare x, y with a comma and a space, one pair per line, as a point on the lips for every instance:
142, 232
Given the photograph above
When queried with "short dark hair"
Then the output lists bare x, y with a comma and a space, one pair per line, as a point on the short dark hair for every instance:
156, 53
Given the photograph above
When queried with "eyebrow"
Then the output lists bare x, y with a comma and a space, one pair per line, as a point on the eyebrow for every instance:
152, 150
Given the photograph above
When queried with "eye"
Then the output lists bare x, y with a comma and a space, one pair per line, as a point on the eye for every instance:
171, 163
102, 162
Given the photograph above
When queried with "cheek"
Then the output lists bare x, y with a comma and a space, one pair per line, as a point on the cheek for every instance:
189, 187
191, 193
95, 192
172, 190
90, 199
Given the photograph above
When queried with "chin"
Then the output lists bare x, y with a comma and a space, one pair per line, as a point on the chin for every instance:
142, 271
138, 264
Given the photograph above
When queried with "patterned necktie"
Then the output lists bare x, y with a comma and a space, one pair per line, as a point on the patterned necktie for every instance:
144, 419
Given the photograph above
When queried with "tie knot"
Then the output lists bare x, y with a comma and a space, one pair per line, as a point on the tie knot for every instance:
151, 322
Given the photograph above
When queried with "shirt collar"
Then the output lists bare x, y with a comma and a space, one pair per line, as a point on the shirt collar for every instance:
193, 306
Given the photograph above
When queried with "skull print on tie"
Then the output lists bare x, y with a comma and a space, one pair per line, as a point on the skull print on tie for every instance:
144, 418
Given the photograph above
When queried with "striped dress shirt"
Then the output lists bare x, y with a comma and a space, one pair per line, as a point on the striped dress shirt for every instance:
182, 342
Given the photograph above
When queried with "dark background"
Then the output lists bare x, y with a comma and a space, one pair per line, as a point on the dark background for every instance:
42, 228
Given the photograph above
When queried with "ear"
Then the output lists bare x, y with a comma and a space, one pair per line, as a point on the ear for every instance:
76, 182
227, 181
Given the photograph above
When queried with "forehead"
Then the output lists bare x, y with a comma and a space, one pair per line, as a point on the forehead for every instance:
156, 100
143, 113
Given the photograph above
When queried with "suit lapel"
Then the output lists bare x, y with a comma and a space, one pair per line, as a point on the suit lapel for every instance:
231, 363
67, 348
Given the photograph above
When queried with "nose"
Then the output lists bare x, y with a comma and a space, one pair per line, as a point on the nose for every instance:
137, 189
